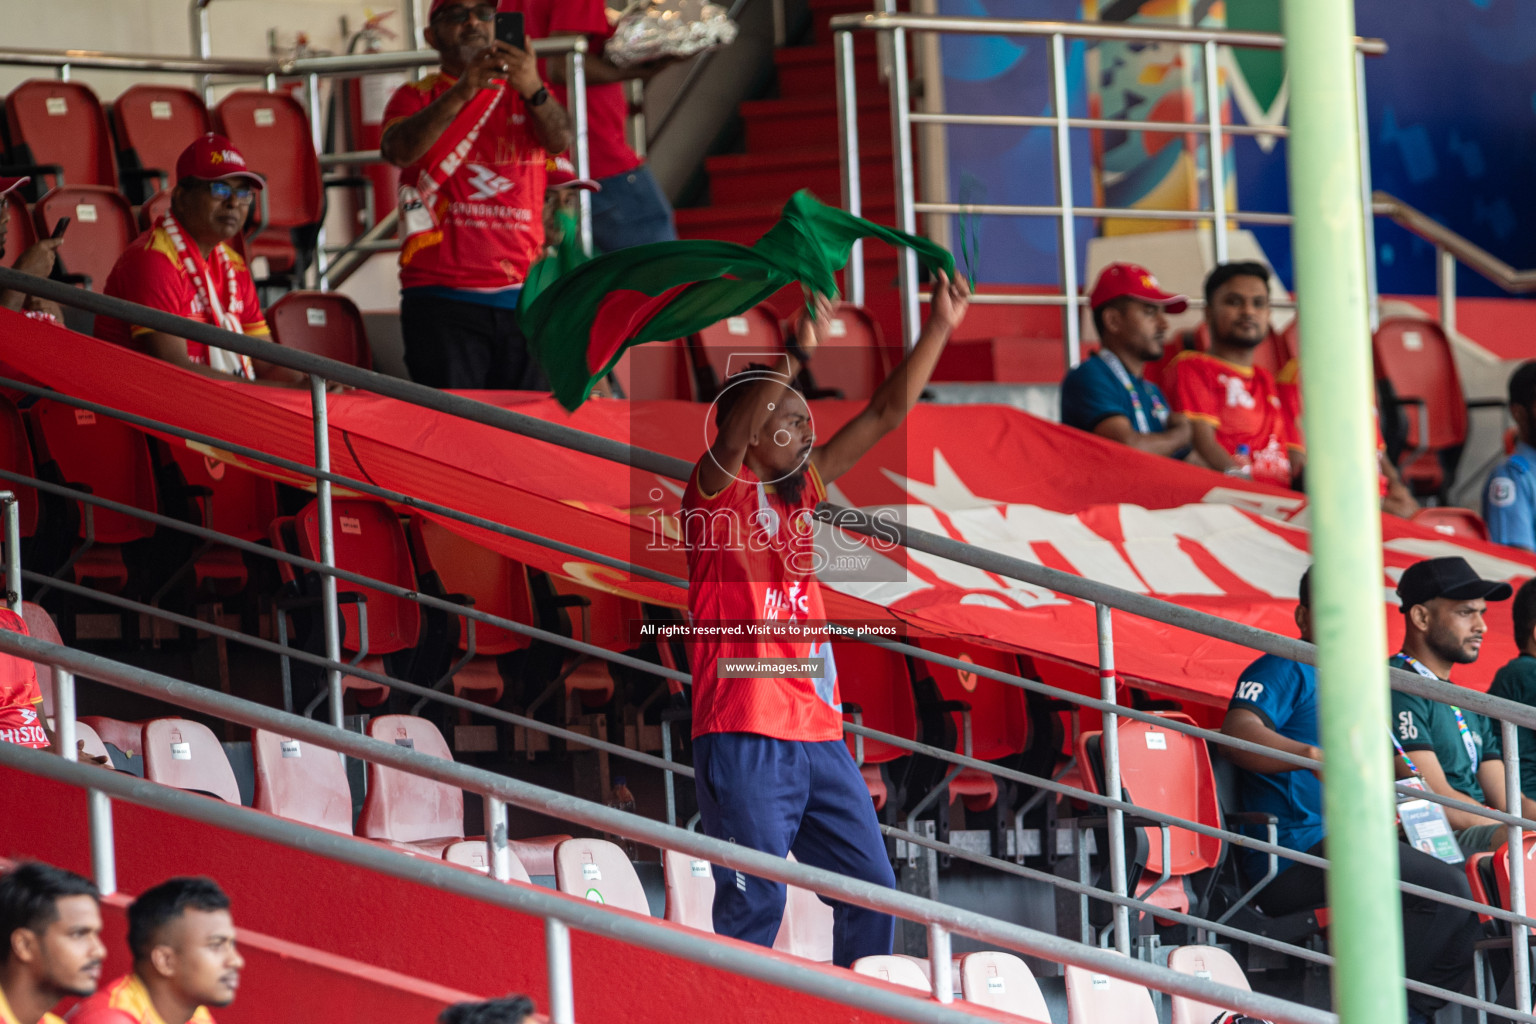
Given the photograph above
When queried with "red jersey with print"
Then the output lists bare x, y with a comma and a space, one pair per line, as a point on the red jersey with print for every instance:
489, 217
1244, 404
152, 273
126, 1001
21, 701
750, 560
607, 107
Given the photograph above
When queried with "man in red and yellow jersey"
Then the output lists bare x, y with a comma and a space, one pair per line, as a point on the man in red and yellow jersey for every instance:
771, 769
21, 701
471, 142
184, 959
50, 941
1233, 405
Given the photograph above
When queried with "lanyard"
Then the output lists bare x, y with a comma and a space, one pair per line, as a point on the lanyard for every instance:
207, 291
1461, 721
1116, 367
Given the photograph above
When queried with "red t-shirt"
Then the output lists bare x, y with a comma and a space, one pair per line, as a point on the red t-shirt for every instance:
151, 273
21, 701
1244, 404
490, 214
607, 107
748, 566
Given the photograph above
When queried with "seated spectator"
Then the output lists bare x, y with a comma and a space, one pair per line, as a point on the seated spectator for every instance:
37, 259
508, 1010
21, 699
1455, 752
184, 265
50, 941
1275, 704
184, 959
1516, 681
1509, 502
1107, 394
1234, 407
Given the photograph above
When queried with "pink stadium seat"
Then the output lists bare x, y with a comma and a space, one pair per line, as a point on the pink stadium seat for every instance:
125, 736
89, 744
301, 782
1003, 982
151, 125
405, 809
1094, 998
322, 323
690, 886
185, 754
1209, 963
730, 345
854, 359
40, 626
60, 123
101, 228
537, 852
926, 966
654, 372
599, 871
476, 854
877, 681
271, 130
897, 970
806, 928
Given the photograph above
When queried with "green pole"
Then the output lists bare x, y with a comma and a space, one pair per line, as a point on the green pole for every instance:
1328, 243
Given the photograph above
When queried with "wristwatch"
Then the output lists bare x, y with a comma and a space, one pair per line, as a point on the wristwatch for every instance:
539, 98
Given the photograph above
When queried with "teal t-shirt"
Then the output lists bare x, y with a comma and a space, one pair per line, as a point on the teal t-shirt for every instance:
1421, 724
1517, 681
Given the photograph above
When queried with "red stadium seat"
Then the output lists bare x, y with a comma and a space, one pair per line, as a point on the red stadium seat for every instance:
600, 872
999, 720
731, 345
409, 810
1453, 522
1094, 998
16, 456
241, 504
877, 680
1212, 964
1501, 868
301, 782
854, 359
185, 754
1003, 982
125, 736
1480, 881
40, 626
476, 854
690, 886
322, 323
271, 131
655, 372
896, 970
154, 208
20, 233
151, 125
59, 124
101, 229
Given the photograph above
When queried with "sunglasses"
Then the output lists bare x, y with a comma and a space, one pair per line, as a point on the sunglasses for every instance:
459, 14
223, 190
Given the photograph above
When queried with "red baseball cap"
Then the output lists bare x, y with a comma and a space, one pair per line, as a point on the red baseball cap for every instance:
1121, 279
9, 185
215, 158
561, 174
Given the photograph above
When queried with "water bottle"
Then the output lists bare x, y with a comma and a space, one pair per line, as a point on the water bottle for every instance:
623, 800
1242, 463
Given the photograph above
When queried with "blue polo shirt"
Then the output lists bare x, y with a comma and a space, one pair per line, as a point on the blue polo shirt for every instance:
1283, 693
1092, 394
1509, 500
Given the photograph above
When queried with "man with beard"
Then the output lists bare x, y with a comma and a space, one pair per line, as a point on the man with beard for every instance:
50, 922
182, 939
770, 765
1108, 395
1234, 407
1455, 752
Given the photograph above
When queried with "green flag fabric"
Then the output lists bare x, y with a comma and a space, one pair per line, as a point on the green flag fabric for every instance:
579, 319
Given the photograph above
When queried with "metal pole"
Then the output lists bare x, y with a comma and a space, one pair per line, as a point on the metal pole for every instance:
1519, 934
940, 970
317, 134
669, 783
496, 837
576, 96
557, 948
1215, 150
63, 72
12, 510
853, 186
1110, 745
202, 44
1363, 119
65, 732
98, 807
1067, 231
906, 215
329, 609
1328, 240
1445, 288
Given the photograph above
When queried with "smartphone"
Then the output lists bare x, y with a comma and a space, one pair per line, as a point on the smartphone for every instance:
58, 229
509, 29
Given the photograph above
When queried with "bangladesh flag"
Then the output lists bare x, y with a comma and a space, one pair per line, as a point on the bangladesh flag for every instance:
579, 320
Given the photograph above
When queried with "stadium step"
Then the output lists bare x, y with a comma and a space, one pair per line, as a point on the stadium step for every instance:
753, 178
745, 223
810, 122
812, 70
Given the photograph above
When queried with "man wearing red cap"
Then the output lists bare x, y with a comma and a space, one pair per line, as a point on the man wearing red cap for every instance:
184, 265
1107, 394
37, 258
472, 140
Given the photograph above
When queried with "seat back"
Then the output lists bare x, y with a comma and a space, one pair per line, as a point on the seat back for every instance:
152, 124
806, 927
40, 626
898, 970
19, 233
62, 123
878, 681
16, 456
1501, 867
106, 455
854, 358
1453, 522
1415, 356
125, 736
605, 618
729, 346
999, 718
599, 871
370, 541
90, 744
271, 130
301, 782
690, 885
323, 323
1094, 998
101, 228
1212, 964
497, 583
184, 754
1003, 982
654, 372
476, 854
243, 504
403, 807
1171, 772
155, 207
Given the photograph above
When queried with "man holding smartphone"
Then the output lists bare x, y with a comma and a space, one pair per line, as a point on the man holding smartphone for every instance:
472, 141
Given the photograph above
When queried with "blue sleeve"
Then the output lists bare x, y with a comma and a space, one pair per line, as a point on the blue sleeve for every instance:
1508, 503
1089, 396
1411, 721
1269, 688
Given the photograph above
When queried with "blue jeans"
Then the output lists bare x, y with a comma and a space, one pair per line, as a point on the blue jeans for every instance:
779, 796
630, 210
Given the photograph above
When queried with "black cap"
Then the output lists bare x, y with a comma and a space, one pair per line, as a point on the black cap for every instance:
1447, 577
